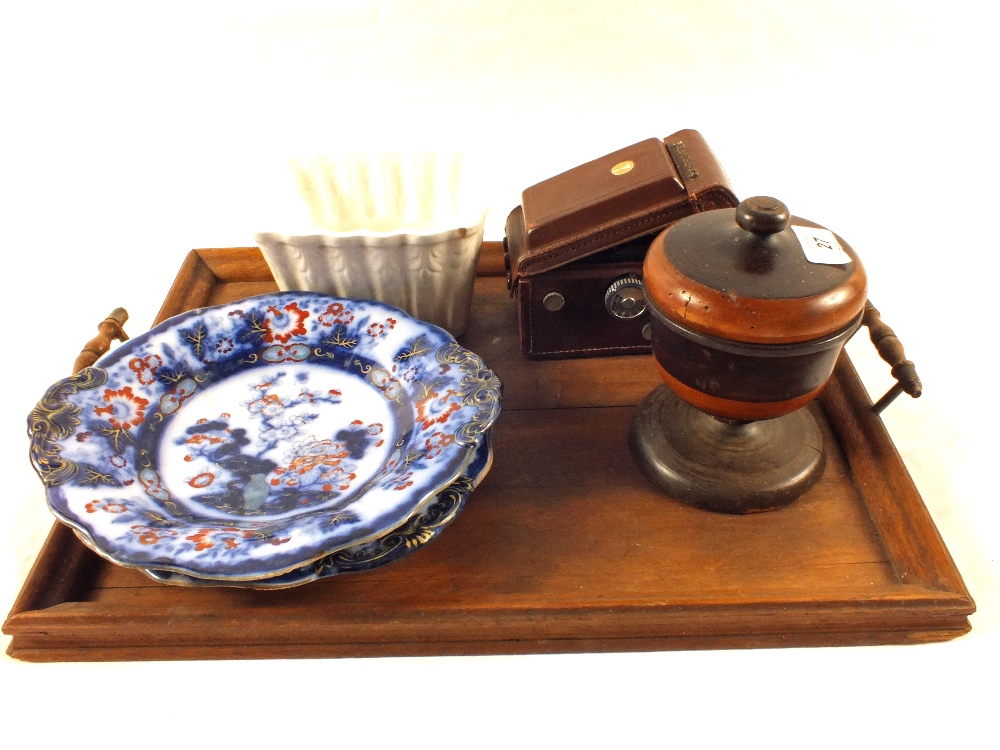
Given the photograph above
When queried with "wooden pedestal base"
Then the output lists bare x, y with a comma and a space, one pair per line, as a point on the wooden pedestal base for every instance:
723, 466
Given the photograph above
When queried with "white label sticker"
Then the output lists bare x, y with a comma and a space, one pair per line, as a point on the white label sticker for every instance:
820, 246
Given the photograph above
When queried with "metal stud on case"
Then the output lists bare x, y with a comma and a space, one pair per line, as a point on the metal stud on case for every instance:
553, 301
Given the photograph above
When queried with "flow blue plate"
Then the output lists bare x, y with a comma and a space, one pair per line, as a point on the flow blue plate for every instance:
244, 441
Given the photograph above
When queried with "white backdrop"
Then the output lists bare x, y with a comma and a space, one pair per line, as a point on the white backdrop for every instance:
133, 133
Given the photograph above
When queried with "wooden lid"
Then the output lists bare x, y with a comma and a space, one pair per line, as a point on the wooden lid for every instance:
755, 274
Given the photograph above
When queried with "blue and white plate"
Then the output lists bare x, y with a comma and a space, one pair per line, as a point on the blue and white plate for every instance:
243, 441
415, 533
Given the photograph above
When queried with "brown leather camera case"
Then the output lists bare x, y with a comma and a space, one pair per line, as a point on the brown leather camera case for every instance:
579, 233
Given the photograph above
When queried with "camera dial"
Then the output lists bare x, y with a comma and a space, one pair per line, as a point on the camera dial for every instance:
624, 298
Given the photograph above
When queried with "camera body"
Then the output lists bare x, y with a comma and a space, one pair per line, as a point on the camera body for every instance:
574, 248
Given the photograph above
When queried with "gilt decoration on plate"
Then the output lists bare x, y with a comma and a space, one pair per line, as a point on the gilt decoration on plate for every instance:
244, 441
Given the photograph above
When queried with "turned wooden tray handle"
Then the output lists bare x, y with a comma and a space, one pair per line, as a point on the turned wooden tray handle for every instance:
110, 329
891, 350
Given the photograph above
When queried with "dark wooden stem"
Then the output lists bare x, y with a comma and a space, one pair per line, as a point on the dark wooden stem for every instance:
110, 329
891, 350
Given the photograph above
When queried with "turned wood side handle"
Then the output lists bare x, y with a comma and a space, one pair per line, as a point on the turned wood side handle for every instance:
891, 350
110, 329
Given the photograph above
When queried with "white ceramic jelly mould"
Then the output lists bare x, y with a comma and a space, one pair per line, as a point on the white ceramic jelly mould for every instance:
404, 229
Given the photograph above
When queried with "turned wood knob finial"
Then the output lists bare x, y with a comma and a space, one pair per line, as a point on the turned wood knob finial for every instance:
110, 329
762, 215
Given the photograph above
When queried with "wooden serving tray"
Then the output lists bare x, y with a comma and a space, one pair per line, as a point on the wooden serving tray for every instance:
564, 547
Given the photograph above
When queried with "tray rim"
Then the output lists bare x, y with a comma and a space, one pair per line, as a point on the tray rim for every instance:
930, 602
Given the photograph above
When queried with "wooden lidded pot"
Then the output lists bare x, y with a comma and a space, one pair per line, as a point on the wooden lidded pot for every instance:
750, 310
751, 307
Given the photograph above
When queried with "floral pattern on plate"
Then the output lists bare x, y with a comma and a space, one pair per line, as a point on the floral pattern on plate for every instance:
418, 531
244, 441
